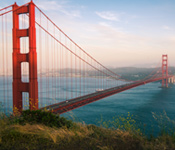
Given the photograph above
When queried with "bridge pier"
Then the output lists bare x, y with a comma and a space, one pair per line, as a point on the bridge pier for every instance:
31, 57
165, 71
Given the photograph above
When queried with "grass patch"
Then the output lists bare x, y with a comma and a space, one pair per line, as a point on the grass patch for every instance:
42, 130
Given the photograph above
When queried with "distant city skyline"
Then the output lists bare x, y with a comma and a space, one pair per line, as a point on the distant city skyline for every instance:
116, 33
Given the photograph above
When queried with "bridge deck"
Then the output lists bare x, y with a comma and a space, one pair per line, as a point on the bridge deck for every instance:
71, 104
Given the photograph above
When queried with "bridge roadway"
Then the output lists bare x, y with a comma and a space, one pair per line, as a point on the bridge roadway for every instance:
71, 104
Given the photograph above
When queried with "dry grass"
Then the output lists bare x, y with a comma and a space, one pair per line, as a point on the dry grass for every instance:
79, 137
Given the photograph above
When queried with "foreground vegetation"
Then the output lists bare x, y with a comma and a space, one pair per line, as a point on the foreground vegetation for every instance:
35, 130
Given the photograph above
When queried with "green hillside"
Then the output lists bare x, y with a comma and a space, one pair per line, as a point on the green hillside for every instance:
36, 130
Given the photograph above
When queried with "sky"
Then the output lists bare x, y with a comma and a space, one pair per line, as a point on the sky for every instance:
118, 33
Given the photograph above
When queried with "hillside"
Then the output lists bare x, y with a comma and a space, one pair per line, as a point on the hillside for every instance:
131, 73
42, 130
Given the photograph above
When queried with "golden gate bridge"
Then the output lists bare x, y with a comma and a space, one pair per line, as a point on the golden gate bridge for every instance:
41, 67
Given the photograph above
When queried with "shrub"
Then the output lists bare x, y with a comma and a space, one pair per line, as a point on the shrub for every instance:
123, 123
165, 124
42, 117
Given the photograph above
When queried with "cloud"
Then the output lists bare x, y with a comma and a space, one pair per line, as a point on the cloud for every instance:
166, 27
62, 7
119, 47
108, 15
48, 5
104, 24
74, 13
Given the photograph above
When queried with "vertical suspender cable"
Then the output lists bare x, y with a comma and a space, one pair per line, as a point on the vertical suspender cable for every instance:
7, 50
40, 57
3, 67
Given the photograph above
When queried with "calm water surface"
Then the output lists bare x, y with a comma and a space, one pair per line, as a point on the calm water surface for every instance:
140, 102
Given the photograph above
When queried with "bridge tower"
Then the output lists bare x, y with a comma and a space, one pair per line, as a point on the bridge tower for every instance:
164, 70
31, 57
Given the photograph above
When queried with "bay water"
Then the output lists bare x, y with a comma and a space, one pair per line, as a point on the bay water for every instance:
142, 102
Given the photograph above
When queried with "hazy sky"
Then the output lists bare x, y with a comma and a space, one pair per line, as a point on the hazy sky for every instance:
116, 32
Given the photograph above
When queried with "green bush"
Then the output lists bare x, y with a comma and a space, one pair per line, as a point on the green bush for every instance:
165, 124
42, 117
123, 123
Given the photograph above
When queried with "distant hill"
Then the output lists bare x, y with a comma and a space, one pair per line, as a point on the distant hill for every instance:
135, 70
131, 73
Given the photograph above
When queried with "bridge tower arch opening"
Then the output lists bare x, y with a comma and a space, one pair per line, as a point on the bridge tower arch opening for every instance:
164, 70
31, 57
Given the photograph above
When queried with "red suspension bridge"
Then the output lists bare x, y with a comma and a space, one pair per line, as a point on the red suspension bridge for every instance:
41, 67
